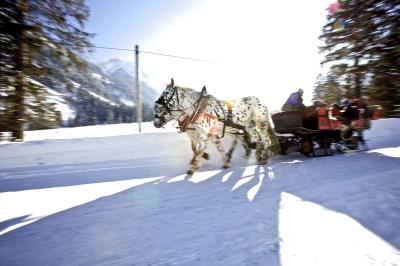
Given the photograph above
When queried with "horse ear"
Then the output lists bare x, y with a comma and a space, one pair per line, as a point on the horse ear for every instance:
204, 90
172, 82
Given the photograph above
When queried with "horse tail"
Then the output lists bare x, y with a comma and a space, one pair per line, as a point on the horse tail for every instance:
269, 119
273, 139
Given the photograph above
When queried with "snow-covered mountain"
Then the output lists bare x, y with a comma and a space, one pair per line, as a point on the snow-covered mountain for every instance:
124, 72
103, 93
114, 64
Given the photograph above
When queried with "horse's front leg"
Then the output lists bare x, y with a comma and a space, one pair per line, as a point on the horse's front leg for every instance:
193, 144
200, 146
220, 148
194, 149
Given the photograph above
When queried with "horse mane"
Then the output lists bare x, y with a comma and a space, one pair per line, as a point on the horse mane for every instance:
187, 89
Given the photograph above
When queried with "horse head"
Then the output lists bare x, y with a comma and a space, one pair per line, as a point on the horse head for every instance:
165, 105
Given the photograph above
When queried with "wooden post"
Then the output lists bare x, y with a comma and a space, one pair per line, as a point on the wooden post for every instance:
139, 114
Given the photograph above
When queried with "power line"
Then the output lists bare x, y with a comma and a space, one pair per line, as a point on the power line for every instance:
145, 52
154, 53
111, 48
180, 57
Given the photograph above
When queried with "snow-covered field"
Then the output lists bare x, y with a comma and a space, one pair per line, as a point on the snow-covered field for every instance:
105, 195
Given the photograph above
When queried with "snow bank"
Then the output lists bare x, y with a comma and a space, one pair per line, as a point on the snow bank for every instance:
97, 131
380, 128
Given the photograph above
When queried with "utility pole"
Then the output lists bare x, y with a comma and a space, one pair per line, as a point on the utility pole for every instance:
139, 115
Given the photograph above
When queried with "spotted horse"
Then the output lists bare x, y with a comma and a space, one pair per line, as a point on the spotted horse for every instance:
204, 117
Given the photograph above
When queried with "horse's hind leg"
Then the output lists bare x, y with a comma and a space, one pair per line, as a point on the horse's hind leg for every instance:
263, 143
221, 149
246, 142
261, 153
231, 149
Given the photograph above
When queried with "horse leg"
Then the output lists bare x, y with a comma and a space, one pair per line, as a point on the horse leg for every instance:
193, 144
246, 142
231, 149
221, 149
194, 149
263, 142
199, 151
261, 153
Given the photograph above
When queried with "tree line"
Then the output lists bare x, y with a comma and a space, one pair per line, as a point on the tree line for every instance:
89, 111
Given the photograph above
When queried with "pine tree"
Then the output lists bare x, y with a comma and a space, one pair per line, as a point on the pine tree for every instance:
33, 34
328, 90
346, 39
364, 37
385, 65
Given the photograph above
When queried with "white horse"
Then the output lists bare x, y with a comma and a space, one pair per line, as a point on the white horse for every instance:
204, 117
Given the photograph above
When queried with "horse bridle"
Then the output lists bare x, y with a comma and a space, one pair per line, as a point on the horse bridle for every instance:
164, 102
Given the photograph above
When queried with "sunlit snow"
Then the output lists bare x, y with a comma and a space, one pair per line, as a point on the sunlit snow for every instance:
101, 195
313, 235
35, 204
391, 152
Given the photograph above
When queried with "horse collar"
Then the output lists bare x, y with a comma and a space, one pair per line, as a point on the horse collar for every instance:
201, 105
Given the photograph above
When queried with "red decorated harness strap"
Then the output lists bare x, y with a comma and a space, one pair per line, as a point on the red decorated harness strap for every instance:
208, 115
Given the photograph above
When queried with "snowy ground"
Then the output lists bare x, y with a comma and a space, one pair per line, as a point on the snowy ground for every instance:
68, 198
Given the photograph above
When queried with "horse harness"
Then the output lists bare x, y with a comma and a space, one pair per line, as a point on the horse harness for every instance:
228, 121
201, 105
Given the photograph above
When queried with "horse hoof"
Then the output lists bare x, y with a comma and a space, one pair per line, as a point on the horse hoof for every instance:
226, 165
206, 156
190, 172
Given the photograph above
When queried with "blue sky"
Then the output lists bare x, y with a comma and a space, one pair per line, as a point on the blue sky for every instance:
265, 48
124, 23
